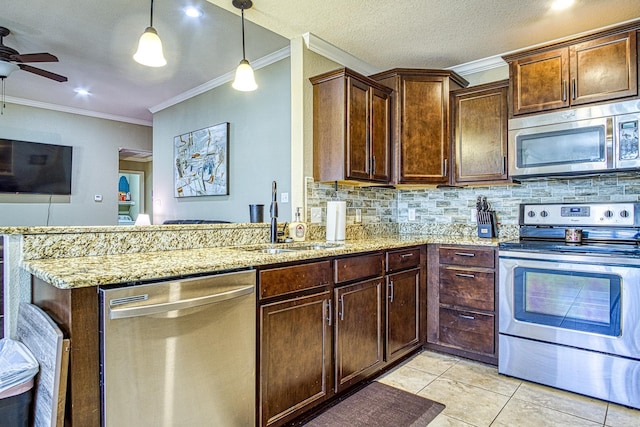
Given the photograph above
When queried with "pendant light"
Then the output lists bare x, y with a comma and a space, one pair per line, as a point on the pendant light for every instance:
244, 81
149, 51
6, 68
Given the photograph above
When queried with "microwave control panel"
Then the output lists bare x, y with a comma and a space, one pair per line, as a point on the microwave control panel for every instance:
587, 214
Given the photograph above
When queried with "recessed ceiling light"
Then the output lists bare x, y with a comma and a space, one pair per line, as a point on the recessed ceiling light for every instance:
192, 12
82, 92
561, 4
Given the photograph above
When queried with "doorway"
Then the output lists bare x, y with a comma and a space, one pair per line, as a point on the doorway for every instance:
134, 185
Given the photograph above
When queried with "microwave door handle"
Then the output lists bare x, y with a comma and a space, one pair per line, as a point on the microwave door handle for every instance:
609, 137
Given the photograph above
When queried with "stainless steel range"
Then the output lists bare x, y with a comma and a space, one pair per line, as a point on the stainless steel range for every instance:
570, 299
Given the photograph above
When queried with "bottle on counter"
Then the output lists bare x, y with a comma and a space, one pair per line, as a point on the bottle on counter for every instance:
298, 229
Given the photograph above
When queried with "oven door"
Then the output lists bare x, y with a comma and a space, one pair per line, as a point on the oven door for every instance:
587, 302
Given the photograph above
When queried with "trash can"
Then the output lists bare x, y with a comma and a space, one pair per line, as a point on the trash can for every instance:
18, 367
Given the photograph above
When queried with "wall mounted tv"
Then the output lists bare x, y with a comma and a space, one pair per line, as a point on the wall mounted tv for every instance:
32, 167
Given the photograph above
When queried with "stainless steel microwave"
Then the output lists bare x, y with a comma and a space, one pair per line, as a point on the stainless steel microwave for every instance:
580, 141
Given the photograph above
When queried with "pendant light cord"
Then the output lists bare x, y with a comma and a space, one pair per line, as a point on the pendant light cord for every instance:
3, 98
151, 24
243, 54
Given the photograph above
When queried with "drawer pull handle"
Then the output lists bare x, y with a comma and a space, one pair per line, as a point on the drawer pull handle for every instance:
391, 291
468, 276
329, 317
466, 316
465, 254
403, 256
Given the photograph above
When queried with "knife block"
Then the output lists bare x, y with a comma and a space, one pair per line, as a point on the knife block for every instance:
487, 224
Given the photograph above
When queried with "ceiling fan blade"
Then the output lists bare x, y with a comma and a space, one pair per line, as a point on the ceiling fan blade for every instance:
35, 57
43, 73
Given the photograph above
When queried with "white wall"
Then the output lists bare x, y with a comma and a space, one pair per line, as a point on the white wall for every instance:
259, 148
95, 165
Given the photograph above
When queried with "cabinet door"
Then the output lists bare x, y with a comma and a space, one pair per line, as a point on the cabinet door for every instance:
604, 69
380, 137
295, 357
424, 139
480, 135
358, 331
358, 156
540, 82
403, 318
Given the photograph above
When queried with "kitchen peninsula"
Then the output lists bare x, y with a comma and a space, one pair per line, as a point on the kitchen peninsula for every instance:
59, 268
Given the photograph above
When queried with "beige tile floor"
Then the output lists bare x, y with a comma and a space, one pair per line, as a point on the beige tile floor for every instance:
476, 395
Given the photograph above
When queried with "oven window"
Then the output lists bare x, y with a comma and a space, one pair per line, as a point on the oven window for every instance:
567, 299
587, 145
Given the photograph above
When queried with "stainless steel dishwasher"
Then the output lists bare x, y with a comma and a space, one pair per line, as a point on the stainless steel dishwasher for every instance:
179, 352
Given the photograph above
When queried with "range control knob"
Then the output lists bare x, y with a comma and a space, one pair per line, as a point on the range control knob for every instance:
544, 214
624, 213
608, 213
531, 214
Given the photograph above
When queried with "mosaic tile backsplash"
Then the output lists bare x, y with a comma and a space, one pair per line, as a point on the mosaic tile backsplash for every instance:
453, 206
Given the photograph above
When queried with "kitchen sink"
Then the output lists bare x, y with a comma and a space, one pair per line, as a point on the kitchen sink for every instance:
291, 247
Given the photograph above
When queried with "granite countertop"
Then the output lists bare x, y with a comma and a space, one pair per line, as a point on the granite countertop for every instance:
77, 272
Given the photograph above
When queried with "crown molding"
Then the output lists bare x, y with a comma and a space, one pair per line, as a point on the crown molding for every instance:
79, 111
272, 58
329, 51
479, 65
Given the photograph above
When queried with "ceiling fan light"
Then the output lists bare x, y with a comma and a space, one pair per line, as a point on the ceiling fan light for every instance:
149, 51
245, 80
6, 68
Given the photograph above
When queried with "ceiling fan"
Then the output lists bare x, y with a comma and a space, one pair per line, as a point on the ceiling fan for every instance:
11, 60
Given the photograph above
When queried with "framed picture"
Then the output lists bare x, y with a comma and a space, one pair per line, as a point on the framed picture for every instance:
200, 162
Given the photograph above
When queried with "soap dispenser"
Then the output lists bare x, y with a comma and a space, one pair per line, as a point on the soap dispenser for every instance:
298, 229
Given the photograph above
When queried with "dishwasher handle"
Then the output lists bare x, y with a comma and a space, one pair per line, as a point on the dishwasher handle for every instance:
146, 310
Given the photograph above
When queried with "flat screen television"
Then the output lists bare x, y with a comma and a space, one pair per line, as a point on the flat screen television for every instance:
33, 167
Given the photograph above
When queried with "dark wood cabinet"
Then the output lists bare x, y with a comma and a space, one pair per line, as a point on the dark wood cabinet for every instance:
479, 137
461, 309
404, 295
594, 68
295, 341
295, 356
358, 331
351, 128
359, 318
420, 117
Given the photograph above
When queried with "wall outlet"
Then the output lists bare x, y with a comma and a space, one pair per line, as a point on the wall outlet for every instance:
474, 215
284, 198
358, 219
412, 214
316, 215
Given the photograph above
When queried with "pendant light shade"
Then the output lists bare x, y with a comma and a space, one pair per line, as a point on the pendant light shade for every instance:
244, 80
6, 68
149, 51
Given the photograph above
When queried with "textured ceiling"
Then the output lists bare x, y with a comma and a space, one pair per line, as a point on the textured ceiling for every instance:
95, 39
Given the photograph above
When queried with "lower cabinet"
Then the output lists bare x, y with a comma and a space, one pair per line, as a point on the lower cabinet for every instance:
295, 356
325, 326
358, 331
461, 307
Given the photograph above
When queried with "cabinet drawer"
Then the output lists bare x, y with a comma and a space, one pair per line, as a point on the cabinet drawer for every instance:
286, 280
403, 259
468, 288
467, 257
358, 267
467, 330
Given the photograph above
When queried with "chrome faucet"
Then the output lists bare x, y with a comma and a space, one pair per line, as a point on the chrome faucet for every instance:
273, 211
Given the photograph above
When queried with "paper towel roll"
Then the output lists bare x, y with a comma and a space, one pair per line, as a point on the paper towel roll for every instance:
336, 220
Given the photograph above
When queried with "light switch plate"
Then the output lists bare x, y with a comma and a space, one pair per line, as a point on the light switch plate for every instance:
284, 198
358, 219
474, 215
316, 215
97, 198
412, 214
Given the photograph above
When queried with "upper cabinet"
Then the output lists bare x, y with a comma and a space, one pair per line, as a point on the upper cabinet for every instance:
420, 115
479, 136
594, 68
351, 128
